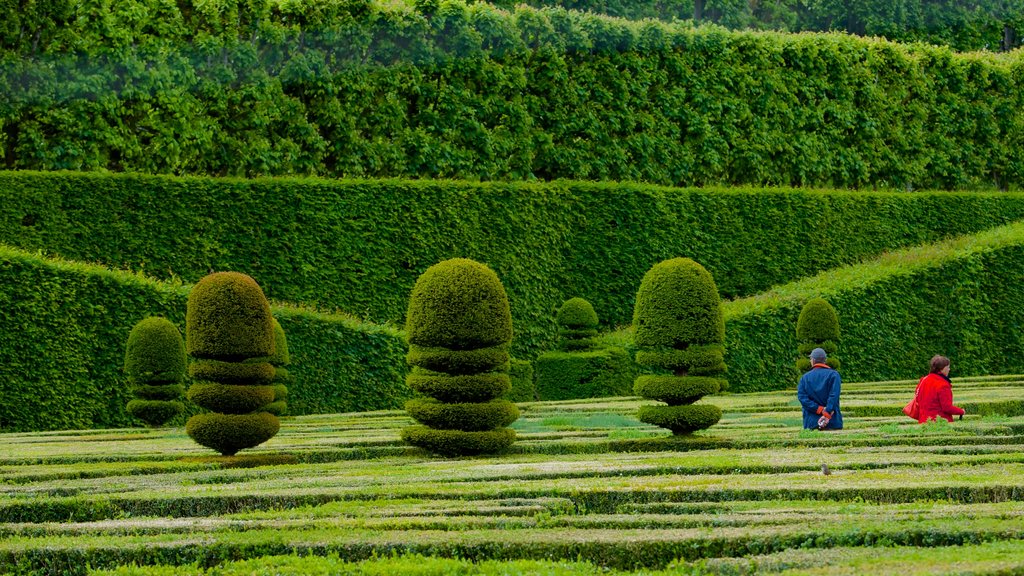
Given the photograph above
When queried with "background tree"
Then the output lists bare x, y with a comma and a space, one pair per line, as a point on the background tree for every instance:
817, 327
154, 360
228, 323
459, 328
679, 327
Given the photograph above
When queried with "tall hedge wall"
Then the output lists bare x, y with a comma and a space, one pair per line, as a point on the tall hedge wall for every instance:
963, 25
359, 246
359, 88
63, 327
960, 298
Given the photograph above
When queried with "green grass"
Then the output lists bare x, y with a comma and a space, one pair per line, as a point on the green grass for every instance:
587, 489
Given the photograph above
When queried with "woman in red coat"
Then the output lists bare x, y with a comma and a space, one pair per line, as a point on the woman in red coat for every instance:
935, 393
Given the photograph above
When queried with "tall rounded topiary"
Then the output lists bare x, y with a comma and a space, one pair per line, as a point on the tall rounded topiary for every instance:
577, 325
154, 360
459, 327
282, 377
227, 326
817, 327
679, 327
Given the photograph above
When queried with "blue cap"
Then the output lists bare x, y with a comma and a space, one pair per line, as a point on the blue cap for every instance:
818, 355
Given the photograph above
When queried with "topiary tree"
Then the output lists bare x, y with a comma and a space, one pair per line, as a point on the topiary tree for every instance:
678, 326
154, 360
279, 360
227, 325
577, 325
459, 327
817, 327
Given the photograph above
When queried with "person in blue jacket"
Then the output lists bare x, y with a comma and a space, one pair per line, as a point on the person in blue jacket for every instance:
818, 393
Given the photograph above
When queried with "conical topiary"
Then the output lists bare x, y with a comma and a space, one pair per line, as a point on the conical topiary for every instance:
227, 323
459, 328
154, 360
577, 325
679, 327
817, 327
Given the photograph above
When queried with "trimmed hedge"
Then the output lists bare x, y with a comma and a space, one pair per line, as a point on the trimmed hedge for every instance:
457, 442
228, 319
605, 371
681, 419
230, 398
469, 416
460, 388
252, 373
64, 325
154, 360
229, 433
523, 388
531, 234
577, 324
445, 89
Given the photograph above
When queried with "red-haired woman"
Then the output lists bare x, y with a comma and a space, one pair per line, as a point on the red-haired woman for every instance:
935, 393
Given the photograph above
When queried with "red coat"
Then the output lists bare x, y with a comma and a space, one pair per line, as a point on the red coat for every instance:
935, 398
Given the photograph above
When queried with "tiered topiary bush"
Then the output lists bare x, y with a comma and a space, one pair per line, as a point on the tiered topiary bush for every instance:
580, 368
279, 360
679, 327
228, 324
459, 327
154, 360
577, 325
817, 327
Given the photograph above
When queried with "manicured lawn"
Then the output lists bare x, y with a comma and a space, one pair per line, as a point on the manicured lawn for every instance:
587, 489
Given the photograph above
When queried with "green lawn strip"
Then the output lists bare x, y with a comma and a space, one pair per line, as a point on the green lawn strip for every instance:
616, 548
1002, 557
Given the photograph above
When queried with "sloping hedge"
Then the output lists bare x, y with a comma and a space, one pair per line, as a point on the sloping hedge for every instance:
358, 246
360, 88
959, 298
63, 329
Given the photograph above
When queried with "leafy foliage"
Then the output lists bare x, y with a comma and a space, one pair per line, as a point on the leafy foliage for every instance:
154, 360
449, 89
817, 327
603, 371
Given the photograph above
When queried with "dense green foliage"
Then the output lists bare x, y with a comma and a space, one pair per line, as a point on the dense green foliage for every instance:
64, 327
957, 298
459, 312
971, 25
817, 327
678, 307
454, 90
544, 240
523, 387
154, 361
603, 371
228, 319
279, 359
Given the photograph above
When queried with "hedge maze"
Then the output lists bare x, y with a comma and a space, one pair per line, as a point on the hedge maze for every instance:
581, 490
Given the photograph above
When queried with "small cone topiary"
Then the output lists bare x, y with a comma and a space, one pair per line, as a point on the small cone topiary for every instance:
228, 325
817, 327
678, 326
459, 328
154, 360
577, 325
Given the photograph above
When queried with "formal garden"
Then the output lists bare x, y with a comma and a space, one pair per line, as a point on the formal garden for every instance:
443, 287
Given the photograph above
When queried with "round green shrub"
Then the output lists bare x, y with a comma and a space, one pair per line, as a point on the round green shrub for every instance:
251, 373
459, 361
458, 442
470, 416
229, 433
678, 306
230, 398
277, 408
228, 318
462, 388
681, 419
155, 352
829, 346
280, 392
282, 375
155, 412
676, 390
162, 392
818, 322
803, 364
459, 304
280, 357
577, 314
695, 360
